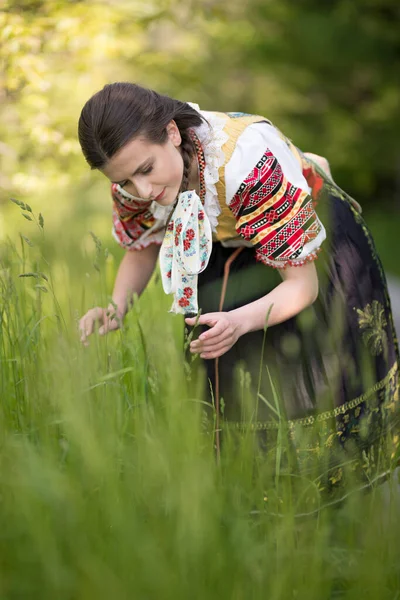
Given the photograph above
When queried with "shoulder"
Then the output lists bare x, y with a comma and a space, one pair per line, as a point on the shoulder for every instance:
257, 141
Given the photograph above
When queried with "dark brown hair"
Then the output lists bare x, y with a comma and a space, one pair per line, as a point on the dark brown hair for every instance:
122, 111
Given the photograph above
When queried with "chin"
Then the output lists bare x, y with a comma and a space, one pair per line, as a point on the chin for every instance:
167, 200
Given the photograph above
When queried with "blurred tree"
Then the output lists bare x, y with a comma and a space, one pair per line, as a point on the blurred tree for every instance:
326, 73
54, 55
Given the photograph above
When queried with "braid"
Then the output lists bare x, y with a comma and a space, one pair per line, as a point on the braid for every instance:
187, 150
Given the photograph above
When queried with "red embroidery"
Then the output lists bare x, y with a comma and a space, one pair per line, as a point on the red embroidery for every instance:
314, 180
281, 231
131, 220
183, 302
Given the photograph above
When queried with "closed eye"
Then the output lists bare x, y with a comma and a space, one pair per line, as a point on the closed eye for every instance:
147, 171
143, 172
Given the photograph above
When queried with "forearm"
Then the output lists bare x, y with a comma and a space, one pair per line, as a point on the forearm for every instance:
133, 276
288, 299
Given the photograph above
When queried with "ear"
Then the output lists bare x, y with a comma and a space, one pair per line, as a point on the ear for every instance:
174, 134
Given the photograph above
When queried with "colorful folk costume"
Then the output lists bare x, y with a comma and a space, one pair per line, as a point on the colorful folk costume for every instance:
264, 205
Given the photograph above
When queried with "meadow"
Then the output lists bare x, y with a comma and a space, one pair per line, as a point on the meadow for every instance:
109, 482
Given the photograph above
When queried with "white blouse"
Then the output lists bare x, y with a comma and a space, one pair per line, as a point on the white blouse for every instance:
250, 147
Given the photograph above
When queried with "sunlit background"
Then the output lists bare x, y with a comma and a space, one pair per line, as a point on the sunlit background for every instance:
109, 487
325, 73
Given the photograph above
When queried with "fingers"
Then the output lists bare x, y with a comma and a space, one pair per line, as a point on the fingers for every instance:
104, 317
110, 324
190, 321
216, 321
86, 324
215, 331
215, 341
216, 352
209, 319
223, 346
201, 345
216, 349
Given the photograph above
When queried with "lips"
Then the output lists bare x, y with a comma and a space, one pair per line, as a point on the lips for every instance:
157, 198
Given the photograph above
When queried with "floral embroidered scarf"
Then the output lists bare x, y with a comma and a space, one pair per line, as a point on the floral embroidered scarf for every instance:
185, 252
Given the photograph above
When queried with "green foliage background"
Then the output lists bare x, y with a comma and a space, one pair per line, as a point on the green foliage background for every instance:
109, 485
325, 73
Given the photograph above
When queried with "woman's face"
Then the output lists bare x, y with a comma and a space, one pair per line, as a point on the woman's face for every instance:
147, 170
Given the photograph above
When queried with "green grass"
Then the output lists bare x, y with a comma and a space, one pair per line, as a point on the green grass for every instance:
109, 487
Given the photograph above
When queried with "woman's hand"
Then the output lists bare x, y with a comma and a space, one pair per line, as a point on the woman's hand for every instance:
298, 290
106, 318
224, 332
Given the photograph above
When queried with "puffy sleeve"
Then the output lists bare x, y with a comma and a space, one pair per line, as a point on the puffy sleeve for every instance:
270, 198
135, 225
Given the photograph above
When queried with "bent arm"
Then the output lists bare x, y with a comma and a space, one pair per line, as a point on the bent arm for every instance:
133, 275
298, 290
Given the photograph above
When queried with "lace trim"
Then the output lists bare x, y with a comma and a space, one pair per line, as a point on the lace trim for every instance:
212, 138
159, 212
288, 263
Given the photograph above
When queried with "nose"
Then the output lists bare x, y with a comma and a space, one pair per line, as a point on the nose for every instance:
143, 188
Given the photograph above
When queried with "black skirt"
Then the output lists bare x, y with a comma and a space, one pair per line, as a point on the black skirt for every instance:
330, 373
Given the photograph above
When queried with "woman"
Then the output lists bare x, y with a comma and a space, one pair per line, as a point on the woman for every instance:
241, 215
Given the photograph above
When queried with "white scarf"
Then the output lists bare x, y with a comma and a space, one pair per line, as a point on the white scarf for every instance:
185, 252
